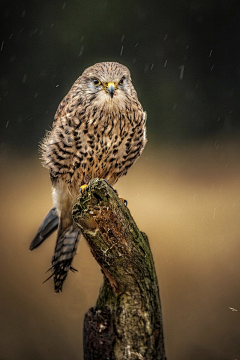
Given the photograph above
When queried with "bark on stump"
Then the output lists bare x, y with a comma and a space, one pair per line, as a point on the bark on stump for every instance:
126, 322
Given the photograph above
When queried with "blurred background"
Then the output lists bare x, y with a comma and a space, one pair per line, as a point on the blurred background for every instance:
184, 191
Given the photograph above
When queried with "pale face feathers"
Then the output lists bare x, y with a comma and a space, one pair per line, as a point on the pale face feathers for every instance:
106, 85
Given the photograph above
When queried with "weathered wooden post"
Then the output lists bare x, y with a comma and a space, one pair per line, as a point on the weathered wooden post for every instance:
126, 322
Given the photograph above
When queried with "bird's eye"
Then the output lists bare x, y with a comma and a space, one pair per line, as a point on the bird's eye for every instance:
96, 82
121, 81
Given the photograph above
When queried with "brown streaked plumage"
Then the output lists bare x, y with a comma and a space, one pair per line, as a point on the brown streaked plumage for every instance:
98, 131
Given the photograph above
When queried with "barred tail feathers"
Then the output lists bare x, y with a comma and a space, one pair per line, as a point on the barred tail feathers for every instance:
65, 250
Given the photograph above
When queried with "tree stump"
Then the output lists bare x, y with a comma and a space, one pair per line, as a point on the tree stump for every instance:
126, 322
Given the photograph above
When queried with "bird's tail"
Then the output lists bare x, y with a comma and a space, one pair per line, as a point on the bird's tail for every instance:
67, 240
64, 252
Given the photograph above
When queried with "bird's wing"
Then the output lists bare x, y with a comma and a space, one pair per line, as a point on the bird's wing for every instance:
47, 227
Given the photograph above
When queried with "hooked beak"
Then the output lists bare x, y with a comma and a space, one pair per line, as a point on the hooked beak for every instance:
111, 87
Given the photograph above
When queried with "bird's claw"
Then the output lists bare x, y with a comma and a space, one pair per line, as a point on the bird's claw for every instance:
124, 201
82, 188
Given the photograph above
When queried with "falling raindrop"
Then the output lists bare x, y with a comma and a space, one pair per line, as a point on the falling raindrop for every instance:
81, 50
181, 68
233, 309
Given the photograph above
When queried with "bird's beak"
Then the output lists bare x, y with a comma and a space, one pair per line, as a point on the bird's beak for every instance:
111, 87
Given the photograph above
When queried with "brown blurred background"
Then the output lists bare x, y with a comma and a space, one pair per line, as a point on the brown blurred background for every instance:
184, 191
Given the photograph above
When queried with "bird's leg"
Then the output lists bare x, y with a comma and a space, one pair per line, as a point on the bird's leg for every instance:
86, 182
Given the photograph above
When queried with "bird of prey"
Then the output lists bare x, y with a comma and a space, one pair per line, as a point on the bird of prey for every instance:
98, 132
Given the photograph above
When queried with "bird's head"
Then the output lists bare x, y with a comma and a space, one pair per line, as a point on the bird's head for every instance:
107, 84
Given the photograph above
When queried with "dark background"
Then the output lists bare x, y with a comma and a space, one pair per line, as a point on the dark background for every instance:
184, 192
46, 45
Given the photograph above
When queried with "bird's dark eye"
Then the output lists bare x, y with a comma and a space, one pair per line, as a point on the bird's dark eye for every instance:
96, 82
121, 81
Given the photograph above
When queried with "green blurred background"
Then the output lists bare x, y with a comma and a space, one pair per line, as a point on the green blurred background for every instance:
184, 191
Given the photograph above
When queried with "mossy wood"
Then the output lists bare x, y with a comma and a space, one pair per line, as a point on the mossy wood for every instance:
126, 322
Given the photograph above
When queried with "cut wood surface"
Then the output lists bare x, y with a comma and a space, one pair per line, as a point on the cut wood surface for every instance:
126, 322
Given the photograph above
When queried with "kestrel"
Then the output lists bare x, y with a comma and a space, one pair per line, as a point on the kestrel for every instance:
98, 132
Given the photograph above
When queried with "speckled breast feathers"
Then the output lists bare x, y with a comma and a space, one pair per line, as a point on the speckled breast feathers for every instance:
98, 130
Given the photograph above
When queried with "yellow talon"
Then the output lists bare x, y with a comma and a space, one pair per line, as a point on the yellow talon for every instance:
124, 201
82, 188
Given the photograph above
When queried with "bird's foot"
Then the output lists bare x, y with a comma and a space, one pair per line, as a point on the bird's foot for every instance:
124, 201
83, 187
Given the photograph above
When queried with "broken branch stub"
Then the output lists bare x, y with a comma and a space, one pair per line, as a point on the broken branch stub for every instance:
126, 322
